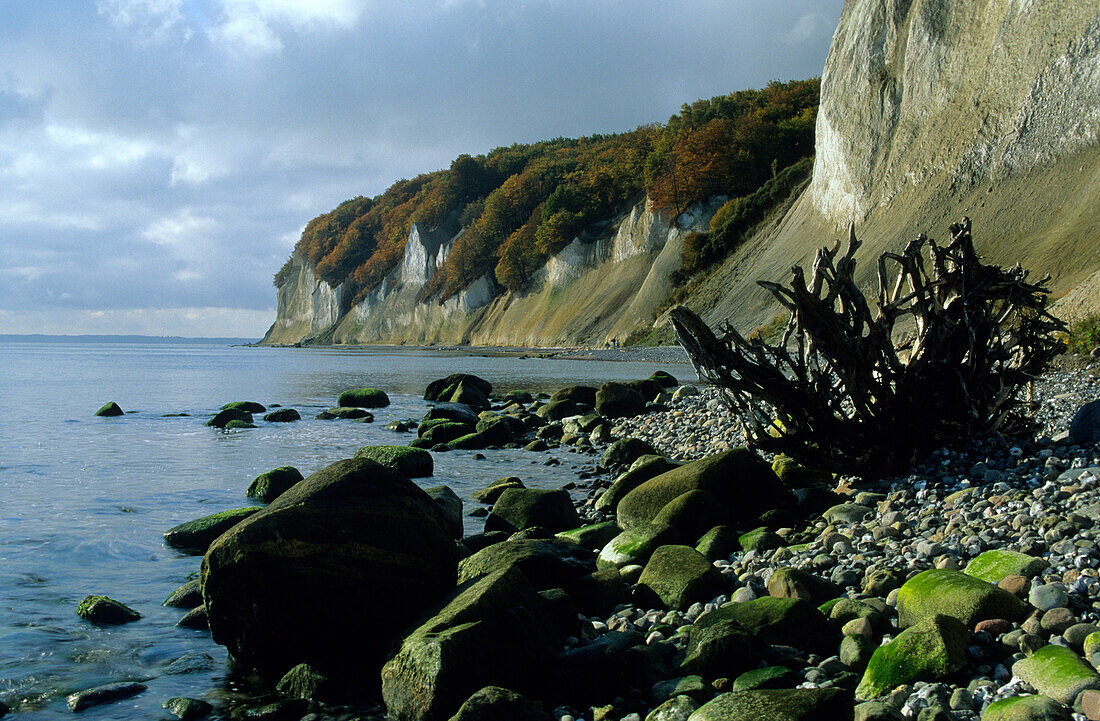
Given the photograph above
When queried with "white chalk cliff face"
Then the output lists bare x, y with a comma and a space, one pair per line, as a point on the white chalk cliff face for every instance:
307, 305
918, 89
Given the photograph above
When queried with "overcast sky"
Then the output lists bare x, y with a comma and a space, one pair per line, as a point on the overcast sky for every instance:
159, 158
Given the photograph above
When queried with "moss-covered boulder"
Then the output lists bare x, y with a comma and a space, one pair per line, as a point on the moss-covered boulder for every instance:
444, 388
593, 536
283, 415
304, 681
469, 442
1057, 672
411, 462
494, 703
640, 470
796, 704
692, 514
363, 398
721, 643
109, 410
678, 576
546, 563
105, 611
795, 475
953, 593
235, 425
785, 621
489, 631
519, 508
556, 410
187, 596
619, 400
492, 492
222, 418
345, 413
187, 709
599, 592
450, 412
498, 429
1026, 708
469, 394
635, 545
577, 394
246, 406
759, 539
449, 505
445, 432
667, 380
625, 452
788, 582
269, 485
763, 678
195, 536
719, 543
330, 573
741, 480
928, 651
994, 565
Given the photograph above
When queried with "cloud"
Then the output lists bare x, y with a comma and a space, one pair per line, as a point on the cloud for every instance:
251, 27
809, 26
152, 21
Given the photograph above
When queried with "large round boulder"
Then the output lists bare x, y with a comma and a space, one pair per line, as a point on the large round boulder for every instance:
577, 394
363, 398
740, 480
269, 485
444, 388
330, 573
619, 400
411, 462
519, 508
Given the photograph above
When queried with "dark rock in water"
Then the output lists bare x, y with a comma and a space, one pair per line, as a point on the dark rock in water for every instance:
667, 380
269, 485
106, 611
379, 555
445, 431
283, 415
618, 400
536, 445
478, 513
577, 394
190, 663
789, 704
196, 618
344, 413
187, 709
411, 462
519, 508
498, 429
490, 630
304, 681
494, 703
401, 426
545, 563
235, 425
109, 410
285, 710
442, 389
221, 418
470, 441
556, 410
363, 398
623, 452
451, 412
246, 406
449, 505
194, 537
492, 492
1085, 426
678, 576
189, 595
82, 700
469, 393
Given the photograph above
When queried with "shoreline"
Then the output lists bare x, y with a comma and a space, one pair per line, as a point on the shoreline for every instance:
642, 354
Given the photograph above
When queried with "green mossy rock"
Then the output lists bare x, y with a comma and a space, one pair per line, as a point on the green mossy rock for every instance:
693, 686
330, 573
345, 413
100, 695
283, 415
411, 462
577, 394
593, 536
446, 431
619, 400
759, 539
764, 678
641, 469
363, 398
109, 410
795, 475
801, 704
788, 582
187, 709
692, 514
994, 565
625, 452
188, 596
442, 389
195, 619
469, 394
519, 508
1057, 672
497, 429
304, 681
741, 480
677, 708
679, 576
246, 406
647, 387
449, 505
846, 513
494, 703
556, 410
271, 484
719, 543
105, 611
718, 647
194, 537
634, 546
953, 593
856, 651
222, 418
492, 492
1026, 708
469, 442
235, 425
785, 621
545, 563
926, 652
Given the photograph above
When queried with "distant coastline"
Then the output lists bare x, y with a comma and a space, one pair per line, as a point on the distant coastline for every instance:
93, 338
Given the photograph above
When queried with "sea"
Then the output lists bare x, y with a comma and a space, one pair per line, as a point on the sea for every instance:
85, 501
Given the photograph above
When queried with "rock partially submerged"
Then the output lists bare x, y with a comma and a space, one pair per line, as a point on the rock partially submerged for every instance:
106, 611
195, 536
100, 695
412, 462
109, 409
269, 485
363, 398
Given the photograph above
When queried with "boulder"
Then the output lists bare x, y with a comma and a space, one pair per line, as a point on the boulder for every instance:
188, 596
519, 508
694, 687
928, 651
304, 681
1057, 672
762, 678
444, 388
846, 513
235, 425
222, 418
599, 592
692, 514
105, 611
795, 475
187, 709
767, 621
246, 406
679, 576
1084, 428
196, 619
545, 563
953, 593
363, 398
100, 695
677, 708
593, 536
556, 410
1026, 708
618, 400
589, 674
759, 539
194, 537
488, 632
577, 394
329, 573
648, 388
410, 462
639, 458
788, 582
992, 566
269, 485
795, 704
719, 543
450, 412
494, 703
445, 432
347, 413
449, 505
283, 415
634, 546
109, 410
667, 380
492, 492
469, 394
469, 442
739, 479
498, 429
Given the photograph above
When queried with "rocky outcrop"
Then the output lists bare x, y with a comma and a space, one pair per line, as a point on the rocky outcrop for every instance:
307, 305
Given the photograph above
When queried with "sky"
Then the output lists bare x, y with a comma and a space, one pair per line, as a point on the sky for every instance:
159, 158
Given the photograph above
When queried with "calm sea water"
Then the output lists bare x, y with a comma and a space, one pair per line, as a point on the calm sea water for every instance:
84, 501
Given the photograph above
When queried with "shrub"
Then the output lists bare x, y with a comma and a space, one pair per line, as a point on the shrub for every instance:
1084, 334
